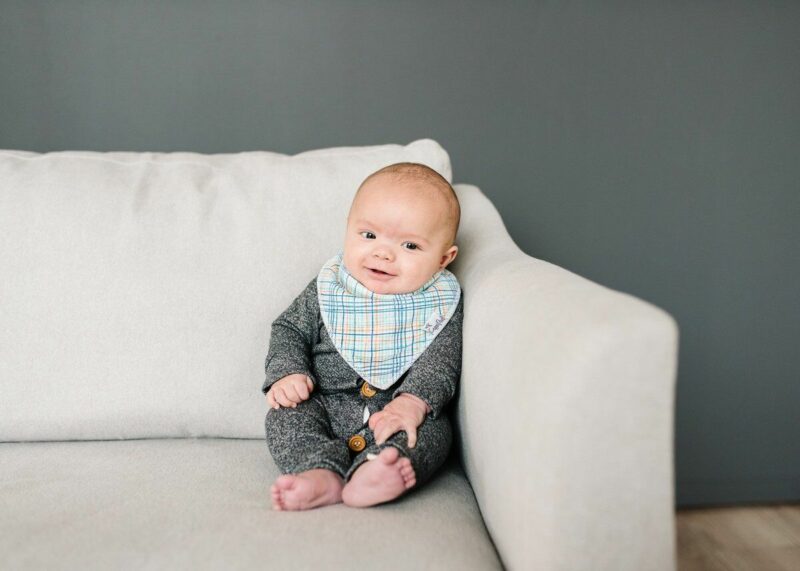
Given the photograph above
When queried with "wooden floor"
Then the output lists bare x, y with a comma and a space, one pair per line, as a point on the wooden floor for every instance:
739, 538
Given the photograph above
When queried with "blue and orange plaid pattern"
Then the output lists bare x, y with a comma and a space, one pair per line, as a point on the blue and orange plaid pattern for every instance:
381, 335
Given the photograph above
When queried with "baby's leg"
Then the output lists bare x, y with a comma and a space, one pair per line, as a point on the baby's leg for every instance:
312, 460
397, 468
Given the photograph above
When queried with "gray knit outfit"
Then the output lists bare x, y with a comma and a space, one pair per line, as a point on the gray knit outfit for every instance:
316, 432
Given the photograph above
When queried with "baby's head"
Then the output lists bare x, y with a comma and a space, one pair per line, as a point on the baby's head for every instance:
401, 228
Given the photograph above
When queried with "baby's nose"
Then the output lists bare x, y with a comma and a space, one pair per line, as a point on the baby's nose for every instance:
382, 253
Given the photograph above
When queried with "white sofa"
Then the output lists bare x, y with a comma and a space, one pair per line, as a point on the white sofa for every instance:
136, 296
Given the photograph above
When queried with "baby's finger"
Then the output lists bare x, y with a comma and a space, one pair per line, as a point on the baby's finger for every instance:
411, 431
271, 400
379, 436
310, 384
386, 429
280, 396
302, 390
291, 393
377, 430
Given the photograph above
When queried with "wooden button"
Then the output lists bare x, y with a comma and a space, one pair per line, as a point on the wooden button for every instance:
356, 443
367, 390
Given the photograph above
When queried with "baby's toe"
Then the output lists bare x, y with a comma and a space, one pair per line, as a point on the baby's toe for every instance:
285, 482
389, 454
408, 474
277, 501
406, 467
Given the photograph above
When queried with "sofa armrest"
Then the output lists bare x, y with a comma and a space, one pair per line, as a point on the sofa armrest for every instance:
565, 409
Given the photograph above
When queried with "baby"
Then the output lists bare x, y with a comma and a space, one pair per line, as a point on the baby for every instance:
362, 363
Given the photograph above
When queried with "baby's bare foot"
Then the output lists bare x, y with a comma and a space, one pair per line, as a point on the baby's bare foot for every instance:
380, 480
306, 490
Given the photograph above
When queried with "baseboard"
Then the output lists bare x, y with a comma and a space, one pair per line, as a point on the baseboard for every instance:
737, 491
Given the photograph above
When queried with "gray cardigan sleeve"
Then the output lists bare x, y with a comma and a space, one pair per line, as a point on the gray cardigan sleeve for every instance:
434, 375
292, 336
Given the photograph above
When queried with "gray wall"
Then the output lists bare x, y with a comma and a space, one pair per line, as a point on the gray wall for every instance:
652, 147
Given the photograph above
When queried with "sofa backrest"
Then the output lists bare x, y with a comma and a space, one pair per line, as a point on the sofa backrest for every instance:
137, 289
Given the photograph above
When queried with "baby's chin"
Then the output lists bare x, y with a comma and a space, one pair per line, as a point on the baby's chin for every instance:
390, 289
383, 288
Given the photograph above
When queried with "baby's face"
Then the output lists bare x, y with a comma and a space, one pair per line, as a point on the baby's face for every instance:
397, 237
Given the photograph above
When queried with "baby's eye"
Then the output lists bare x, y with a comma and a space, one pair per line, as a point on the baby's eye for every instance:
410, 246
368, 235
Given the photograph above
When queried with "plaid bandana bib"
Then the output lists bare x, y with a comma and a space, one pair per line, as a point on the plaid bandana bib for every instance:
381, 335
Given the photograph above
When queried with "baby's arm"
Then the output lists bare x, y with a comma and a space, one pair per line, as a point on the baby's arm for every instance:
434, 376
426, 389
289, 377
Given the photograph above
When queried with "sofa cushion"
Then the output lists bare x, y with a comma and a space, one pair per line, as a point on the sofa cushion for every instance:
204, 504
138, 288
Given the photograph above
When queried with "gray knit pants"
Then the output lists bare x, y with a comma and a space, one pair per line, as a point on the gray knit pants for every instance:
315, 435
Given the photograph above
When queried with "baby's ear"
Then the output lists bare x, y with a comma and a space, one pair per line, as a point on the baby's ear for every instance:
449, 256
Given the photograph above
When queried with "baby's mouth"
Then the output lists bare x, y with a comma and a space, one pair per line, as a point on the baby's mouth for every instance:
379, 274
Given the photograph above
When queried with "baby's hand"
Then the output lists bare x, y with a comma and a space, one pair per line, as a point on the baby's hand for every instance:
289, 391
404, 412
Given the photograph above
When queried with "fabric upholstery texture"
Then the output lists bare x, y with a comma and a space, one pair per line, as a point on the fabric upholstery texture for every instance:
138, 288
200, 504
566, 397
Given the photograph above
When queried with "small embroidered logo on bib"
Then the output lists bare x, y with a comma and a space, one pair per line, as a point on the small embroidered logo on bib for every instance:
381, 335
435, 323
